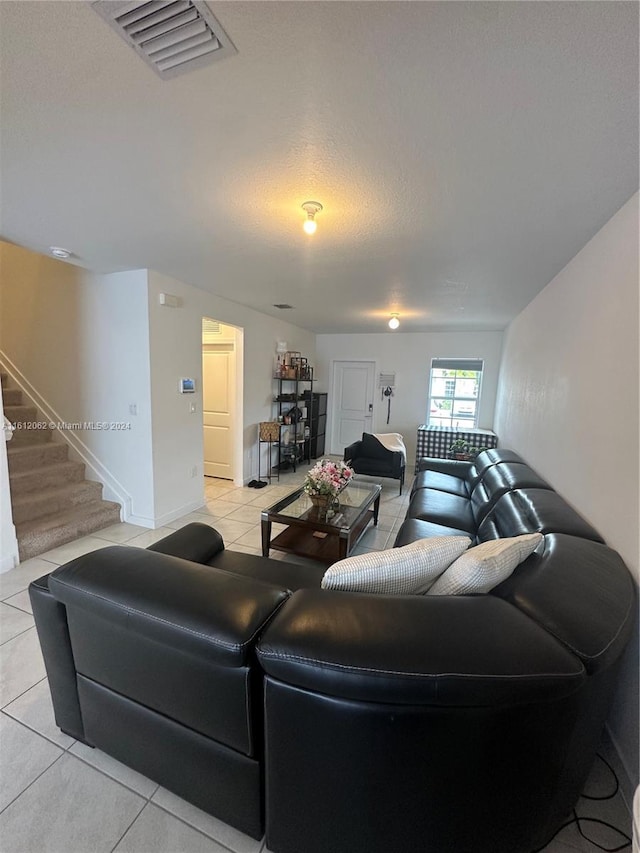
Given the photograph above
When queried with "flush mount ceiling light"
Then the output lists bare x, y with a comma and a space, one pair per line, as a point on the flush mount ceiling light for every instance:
394, 322
311, 208
59, 252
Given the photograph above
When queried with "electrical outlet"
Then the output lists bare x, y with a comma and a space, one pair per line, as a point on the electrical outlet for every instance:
133, 408
194, 471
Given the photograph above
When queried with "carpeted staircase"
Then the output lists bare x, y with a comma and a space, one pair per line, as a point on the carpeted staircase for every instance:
52, 503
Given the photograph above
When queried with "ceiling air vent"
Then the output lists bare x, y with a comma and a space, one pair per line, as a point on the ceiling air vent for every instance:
172, 36
282, 306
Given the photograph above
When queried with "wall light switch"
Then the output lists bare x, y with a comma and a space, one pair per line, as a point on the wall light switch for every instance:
192, 407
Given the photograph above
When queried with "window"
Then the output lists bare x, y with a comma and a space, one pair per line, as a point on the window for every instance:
454, 392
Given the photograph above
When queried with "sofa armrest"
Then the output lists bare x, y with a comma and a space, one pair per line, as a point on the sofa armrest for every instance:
352, 451
53, 632
445, 466
197, 542
397, 464
416, 650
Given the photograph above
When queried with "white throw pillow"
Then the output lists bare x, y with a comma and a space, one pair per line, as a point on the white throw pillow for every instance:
409, 570
486, 565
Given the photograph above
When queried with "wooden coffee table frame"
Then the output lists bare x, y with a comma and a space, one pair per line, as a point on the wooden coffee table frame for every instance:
341, 534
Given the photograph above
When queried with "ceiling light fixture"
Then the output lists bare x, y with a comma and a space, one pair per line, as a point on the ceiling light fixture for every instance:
58, 252
394, 322
311, 208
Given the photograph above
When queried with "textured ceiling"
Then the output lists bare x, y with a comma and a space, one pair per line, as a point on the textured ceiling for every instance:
463, 152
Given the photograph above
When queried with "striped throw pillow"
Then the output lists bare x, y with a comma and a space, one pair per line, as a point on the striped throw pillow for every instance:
486, 565
409, 570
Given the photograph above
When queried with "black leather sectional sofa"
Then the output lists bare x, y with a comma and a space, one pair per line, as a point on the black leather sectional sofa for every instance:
349, 722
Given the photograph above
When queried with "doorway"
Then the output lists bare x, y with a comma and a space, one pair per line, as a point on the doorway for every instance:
352, 384
222, 400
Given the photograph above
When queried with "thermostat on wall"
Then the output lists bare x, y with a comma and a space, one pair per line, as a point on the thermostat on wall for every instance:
187, 386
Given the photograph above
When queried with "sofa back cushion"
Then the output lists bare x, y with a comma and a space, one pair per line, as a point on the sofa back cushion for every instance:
491, 457
581, 592
499, 479
534, 510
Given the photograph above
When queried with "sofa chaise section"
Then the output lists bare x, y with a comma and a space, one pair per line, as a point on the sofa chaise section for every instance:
151, 658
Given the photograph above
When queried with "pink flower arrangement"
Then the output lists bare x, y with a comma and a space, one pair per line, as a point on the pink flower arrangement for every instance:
328, 478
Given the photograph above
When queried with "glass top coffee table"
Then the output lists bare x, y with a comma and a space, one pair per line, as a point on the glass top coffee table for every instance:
310, 532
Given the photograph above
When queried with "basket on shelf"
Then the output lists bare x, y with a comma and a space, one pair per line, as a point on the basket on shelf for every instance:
269, 431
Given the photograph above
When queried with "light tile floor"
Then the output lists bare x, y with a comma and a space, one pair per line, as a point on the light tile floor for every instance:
58, 795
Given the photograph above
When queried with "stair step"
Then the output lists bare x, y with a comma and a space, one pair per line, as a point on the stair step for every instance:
50, 531
12, 396
26, 457
30, 436
46, 477
21, 414
48, 501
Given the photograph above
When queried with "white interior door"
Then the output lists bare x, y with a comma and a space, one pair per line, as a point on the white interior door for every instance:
218, 406
352, 402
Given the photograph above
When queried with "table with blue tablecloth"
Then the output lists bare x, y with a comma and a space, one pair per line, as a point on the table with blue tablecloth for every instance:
435, 441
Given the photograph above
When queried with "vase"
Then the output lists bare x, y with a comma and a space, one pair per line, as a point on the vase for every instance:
325, 504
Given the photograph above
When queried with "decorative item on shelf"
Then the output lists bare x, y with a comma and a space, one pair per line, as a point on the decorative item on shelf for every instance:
290, 358
324, 482
269, 431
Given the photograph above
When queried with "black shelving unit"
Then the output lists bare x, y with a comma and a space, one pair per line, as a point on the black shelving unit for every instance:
290, 399
316, 404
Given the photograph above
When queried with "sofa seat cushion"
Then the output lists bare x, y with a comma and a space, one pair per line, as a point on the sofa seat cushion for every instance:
409, 570
536, 510
415, 528
482, 568
280, 573
441, 482
442, 508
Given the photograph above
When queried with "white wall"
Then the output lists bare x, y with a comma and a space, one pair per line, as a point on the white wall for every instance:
409, 355
176, 351
568, 402
8, 541
78, 345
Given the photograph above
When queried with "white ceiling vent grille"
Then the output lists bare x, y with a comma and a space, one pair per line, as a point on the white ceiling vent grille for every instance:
172, 36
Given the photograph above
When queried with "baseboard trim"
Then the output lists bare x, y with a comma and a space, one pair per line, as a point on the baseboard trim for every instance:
140, 520
113, 489
10, 562
160, 521
192, 506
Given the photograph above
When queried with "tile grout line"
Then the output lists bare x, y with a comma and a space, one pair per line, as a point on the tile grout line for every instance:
33, 781
142, 808
150, 802
19, 610
26, 690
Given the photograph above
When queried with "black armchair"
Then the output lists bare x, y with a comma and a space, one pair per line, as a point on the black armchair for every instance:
369, 456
